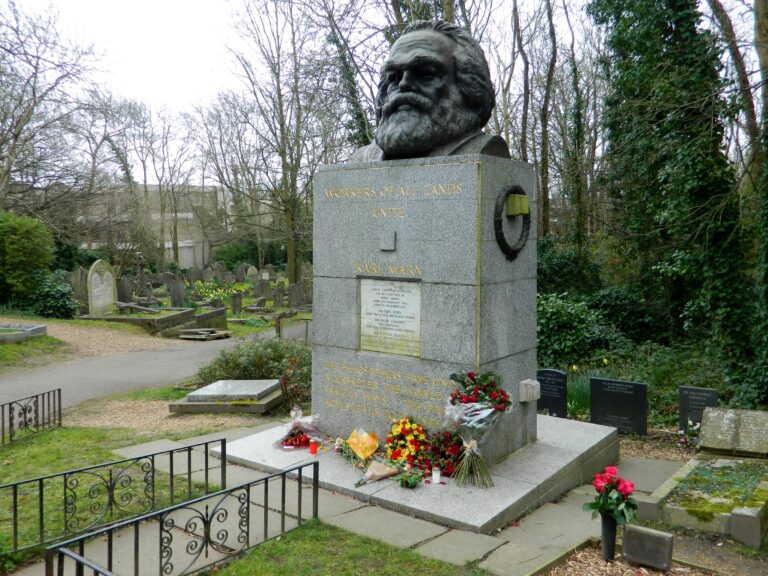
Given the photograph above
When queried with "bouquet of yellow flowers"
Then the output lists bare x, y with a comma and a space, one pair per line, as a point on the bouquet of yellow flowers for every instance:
406, 442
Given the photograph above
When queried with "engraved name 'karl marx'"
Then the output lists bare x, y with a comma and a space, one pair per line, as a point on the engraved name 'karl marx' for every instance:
435, 95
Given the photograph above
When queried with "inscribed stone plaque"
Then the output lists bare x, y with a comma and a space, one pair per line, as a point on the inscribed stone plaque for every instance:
692, 403
390, 317
554, 392
102, 288
623, 405
744, 431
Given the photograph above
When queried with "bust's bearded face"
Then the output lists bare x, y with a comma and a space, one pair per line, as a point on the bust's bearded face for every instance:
421, 104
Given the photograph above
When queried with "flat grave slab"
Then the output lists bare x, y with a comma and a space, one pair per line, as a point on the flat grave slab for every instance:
523, 481
234, 390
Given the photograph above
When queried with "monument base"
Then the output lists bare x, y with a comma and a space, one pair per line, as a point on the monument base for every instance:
566, 454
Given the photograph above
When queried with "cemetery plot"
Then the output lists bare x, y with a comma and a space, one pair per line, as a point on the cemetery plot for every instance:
621, 404
554, 392
692, 402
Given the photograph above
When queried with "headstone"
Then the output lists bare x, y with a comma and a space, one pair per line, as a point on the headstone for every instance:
647, 547
265, 276
692, 402
554, 392
176, 289
102, 288
240, 274
237, 302
294, 295
78, 279
422, 288
270, 269
167, 278
623, 405
252, 273
263, 289
278, 293
229, 278
219, 269
207, 274
306, 290
742, 431
259, 302
125, 289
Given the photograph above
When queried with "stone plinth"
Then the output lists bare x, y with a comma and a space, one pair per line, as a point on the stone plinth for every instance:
410, 285
234, 391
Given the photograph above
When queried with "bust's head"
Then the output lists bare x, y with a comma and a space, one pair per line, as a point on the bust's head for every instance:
435, 88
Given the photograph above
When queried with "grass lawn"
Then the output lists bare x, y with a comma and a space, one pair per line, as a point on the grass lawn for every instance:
19, 353
318, 548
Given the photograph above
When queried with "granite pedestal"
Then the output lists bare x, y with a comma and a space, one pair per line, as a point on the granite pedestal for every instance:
567, 453
411, 285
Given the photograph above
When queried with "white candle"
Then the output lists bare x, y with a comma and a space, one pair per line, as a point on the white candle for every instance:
435, 475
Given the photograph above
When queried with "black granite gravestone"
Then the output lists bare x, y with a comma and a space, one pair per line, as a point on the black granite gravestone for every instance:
554, 392
692, 402
620, 404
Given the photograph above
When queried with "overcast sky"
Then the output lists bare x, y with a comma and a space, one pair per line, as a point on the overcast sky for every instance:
164, 52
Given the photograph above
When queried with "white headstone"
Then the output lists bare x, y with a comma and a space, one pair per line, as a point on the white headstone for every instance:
102, 288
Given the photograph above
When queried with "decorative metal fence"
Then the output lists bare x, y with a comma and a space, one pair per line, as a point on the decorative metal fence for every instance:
50, 508
197, 534
81, 564
22, 418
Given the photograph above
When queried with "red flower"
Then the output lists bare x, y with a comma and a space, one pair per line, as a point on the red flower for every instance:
626, 487
599, 482
396, 454
409, 458
403, 431
464, 399
473, 398
471, 375
452, 450
611, 472
494, 395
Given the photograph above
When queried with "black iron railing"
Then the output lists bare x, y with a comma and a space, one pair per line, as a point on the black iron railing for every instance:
197, 534
81, 564
50, 508
22, 418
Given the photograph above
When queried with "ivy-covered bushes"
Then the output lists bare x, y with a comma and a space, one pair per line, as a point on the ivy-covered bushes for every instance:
26, 249
568, 331
260, 359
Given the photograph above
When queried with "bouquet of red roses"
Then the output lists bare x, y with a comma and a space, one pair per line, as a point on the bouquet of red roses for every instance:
613, 496
473, 408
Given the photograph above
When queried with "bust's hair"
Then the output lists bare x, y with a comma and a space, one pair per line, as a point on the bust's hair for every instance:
473, 77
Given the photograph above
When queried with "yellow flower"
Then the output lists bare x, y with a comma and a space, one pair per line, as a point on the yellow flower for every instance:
574, 368
605, 361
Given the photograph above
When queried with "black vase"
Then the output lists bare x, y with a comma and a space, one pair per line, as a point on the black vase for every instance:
608, 536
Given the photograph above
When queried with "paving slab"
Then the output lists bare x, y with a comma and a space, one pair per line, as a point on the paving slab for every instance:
390, 527
147, 448
521, 558
459, 547
647, 474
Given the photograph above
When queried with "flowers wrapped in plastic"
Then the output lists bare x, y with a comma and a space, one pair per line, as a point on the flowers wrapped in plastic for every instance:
299, 432
472, 410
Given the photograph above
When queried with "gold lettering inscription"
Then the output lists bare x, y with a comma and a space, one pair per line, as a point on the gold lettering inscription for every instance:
388, 212
404, 269
450, 189
378, 269
444, 189
367, 268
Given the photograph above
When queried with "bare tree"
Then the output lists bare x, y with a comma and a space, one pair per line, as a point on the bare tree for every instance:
38, 75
